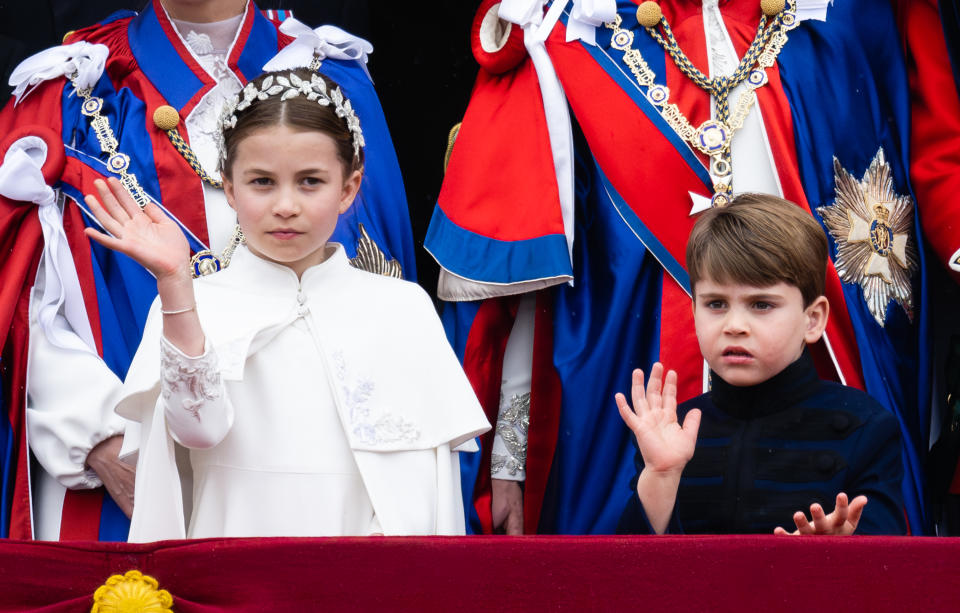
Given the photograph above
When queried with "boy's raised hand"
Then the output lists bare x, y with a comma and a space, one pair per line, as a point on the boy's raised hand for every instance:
842, 522
664, 444
666, 447
148, 236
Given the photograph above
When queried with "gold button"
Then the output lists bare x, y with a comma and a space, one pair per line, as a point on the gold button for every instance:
771, 7
166, 118
649, 13
68, 35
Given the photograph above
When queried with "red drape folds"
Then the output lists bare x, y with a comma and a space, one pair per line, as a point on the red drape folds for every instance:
711, 573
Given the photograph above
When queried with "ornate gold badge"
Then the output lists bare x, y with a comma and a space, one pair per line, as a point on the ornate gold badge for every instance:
371, 259
871, 225
132, 591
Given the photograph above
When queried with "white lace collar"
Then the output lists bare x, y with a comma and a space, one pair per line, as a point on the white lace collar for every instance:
214, 37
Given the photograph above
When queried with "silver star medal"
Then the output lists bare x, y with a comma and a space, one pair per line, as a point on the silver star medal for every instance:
871, 225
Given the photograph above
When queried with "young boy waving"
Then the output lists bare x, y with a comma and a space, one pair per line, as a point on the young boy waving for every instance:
773, 438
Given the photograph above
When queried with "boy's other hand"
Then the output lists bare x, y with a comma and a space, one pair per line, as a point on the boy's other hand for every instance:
665, 445
842, 522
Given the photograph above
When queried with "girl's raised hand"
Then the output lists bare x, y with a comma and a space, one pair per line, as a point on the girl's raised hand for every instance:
664, 444
148, 236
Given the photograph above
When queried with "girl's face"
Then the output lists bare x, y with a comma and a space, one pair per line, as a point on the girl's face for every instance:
288, 190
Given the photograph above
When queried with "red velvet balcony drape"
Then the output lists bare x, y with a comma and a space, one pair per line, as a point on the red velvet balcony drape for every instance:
736, 573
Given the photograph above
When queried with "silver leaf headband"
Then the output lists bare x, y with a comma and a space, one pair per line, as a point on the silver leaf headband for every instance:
314, 89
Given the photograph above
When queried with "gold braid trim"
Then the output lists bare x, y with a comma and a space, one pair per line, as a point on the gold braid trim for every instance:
451, 139
190, 158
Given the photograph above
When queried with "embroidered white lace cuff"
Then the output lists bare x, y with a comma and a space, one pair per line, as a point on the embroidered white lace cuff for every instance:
508, 459
188, 383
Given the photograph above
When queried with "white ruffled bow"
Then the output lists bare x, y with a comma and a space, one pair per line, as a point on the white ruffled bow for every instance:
21, 179
585, 16
83, 59
522, 12
324, 42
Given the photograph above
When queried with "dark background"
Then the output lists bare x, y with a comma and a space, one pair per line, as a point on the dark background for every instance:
423, 72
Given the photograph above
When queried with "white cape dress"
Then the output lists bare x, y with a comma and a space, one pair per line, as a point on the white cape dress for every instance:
399, 391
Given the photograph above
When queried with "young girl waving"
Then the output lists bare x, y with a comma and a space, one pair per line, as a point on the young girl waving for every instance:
313, 398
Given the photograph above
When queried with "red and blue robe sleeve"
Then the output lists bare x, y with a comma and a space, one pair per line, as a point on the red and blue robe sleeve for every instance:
502, 148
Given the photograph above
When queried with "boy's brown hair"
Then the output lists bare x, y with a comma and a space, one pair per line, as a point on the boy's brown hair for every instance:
759, 240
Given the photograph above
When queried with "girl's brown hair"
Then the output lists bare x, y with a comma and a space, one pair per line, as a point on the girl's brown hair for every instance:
297, 113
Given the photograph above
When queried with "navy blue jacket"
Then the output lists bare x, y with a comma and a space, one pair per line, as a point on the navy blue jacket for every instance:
766, 451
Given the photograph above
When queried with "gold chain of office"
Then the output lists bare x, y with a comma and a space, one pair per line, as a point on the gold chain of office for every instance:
712, 137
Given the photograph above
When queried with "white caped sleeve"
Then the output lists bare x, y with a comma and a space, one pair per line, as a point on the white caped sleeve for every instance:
197, 410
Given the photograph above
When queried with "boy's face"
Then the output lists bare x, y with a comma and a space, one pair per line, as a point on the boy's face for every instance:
748, 334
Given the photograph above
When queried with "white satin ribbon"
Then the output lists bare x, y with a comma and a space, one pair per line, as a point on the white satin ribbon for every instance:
528, 14
585, 17
84, 59
21, 179
324, 42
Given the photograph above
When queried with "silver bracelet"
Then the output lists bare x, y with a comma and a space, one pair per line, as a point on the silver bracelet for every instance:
179, 311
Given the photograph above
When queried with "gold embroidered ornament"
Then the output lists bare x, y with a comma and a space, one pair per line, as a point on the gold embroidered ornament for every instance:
371, 259
132, 592
871, 225
713, 137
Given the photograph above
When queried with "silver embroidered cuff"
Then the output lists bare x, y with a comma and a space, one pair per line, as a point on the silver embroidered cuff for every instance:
509, 455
